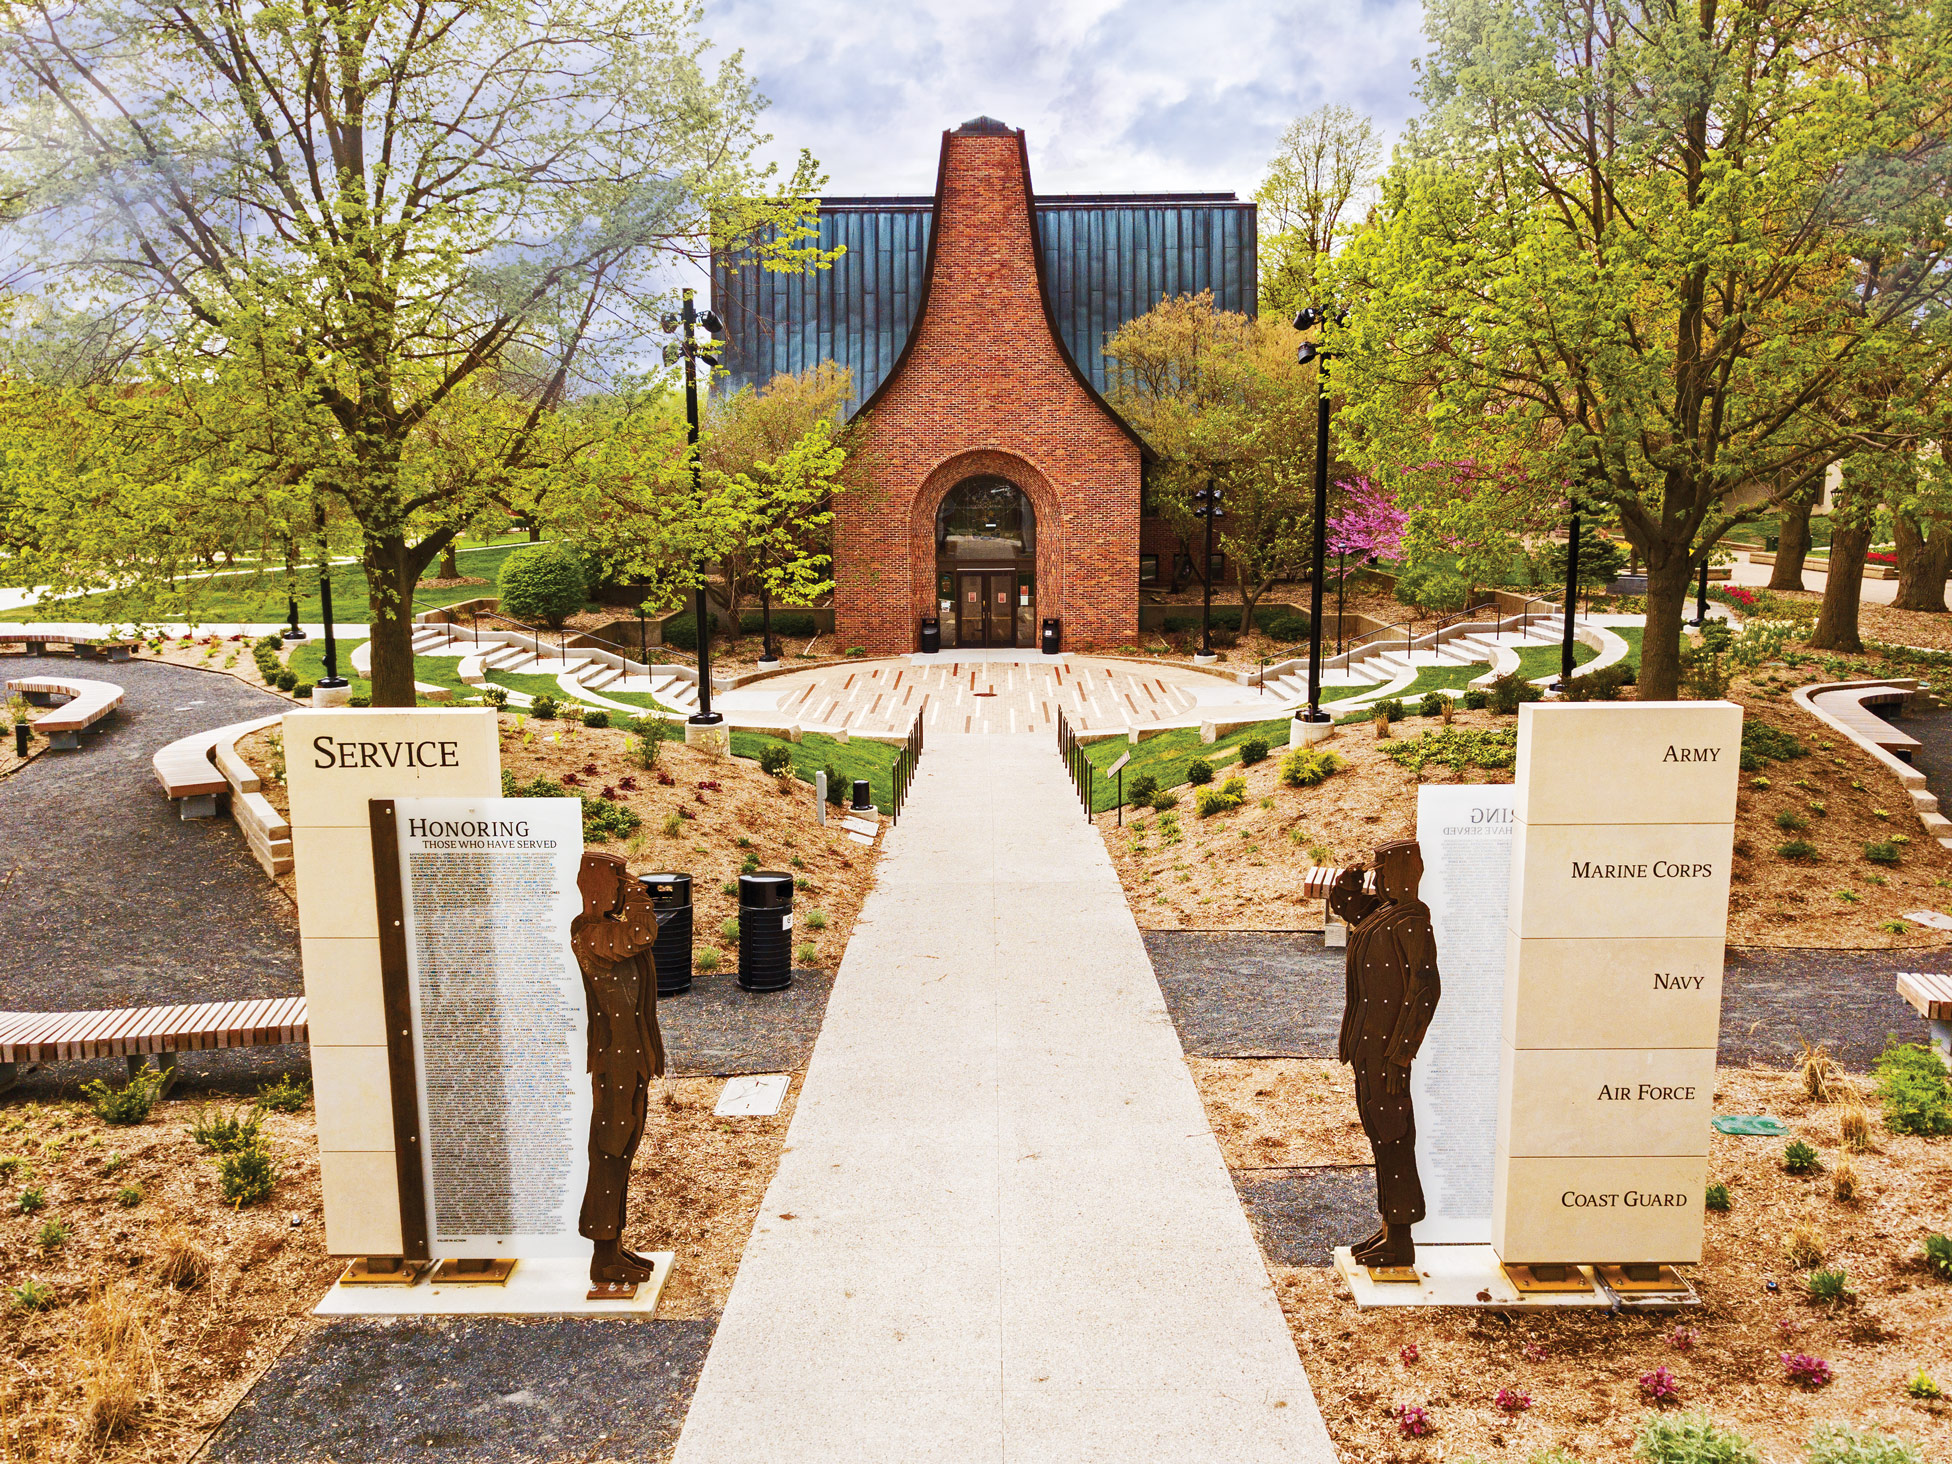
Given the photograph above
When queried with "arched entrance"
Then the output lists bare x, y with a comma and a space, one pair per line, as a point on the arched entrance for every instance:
986, 563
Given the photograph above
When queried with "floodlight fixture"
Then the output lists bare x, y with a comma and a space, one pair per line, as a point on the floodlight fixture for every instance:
713, 325
1308, 318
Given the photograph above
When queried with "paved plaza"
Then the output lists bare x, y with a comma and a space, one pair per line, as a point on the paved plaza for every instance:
1002, 1228
995, 692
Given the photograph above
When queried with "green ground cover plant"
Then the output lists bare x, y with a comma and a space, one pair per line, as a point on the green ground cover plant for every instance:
817, 752
128, 1104
1456, 747
1165, 757
1914, 1087
1691, 1438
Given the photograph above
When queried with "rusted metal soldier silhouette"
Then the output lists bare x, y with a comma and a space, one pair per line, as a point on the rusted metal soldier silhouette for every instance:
612, 939
1392, 995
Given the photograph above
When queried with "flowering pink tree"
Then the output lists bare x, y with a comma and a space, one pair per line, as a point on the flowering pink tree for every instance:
1369, 524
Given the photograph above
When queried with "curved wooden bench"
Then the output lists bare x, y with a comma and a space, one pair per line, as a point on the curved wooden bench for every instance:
194, 770
87, 702
138, 1033
1930, 994
1853, 706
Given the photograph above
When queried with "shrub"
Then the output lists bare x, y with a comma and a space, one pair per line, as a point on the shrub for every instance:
604, 819
1433, 704
1717, 1197
302, 690
1223, 799
544, 583
1829, 1285
248, 1175
1800, 1158
1797, 849
1476, 698
31, 1199
1287, 627
837, 787
290, 1093
776, 758
53, 1234
1835, 1443
362, 699
285, 680
1253, 750
1914, 1087
1458, 747
32, 1296
1199, 771
1139, 792
808, 954
1390, 708
1791, 822
226, 1133
1881, 851
495, 696
1762, 743
728, 930
1924, 1387
816, 920
650, 734
705, 958
1691, 1438
1509, 690
1938, 1255
1307, 766
1165, 800
1705, 662
128, 1104
596, 717
1605, 684
128, 1197
544, 707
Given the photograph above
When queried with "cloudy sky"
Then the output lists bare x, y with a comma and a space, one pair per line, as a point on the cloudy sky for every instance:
1115, 95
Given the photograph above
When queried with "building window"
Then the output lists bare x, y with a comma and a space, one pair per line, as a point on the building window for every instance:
987, 520
1148, 569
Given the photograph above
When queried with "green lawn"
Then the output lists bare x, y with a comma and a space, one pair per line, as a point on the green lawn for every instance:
1537, 661
308, 661
1166, 755
857, 758
258, 597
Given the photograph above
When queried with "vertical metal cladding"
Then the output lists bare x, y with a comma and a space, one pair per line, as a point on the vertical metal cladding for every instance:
1107, 258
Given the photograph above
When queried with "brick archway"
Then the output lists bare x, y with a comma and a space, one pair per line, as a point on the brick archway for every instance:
928, 502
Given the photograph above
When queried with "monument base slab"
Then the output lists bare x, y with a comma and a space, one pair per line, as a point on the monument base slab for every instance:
1457, 1275
558, 1287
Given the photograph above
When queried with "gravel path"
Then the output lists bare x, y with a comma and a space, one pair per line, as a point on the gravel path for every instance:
107, 899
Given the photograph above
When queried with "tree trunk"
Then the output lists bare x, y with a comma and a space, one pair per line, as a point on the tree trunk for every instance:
1843, 586
1792, 545
1669, 578
535, 532
393, 567
450, 566
1921, 564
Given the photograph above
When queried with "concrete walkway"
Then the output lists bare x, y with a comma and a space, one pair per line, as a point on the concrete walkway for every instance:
1002, 1229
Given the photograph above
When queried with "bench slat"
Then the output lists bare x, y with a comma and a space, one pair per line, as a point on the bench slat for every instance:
202, 1026
1929, 992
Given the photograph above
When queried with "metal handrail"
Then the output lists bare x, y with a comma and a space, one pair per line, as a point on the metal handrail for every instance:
562, 636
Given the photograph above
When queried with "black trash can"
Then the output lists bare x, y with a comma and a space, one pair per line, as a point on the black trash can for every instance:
671, 898
863, 797
931, 635
1050, 637
766, 931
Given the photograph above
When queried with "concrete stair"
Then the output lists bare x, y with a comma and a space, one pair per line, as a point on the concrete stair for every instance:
509, 658
428, 641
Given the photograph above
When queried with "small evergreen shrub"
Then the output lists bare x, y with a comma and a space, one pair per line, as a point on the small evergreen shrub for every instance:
31, 1199
1307, 766
776, 758
1881, 851
290, 1093
1605, 684
302, 690
1199, 772
1691, 1438
226, 1133
1222, 799
544, 707
1165, 800
1253, 750
1433, 704
1717, 1197
362, 699
544, 583
1139, 791
128, 1197
596, 717
495, 696
1915, 1089
1287, 628
838, 787
285, 680
1924, 1387
247, 1175
816, 920
728, 930
1791, 822
1797, 849
1762, 743
128, 1104
705, 958
1476, 698
1390, 708
1800, 1158
604, 819
1509, 690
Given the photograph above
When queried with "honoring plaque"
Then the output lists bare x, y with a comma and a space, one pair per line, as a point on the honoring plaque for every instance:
1618, 913
500, 1022
1464, 831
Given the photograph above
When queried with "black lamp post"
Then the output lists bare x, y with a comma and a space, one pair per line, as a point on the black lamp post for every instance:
293, 631
1701, 596
1206, 505
1572, 600
1307, 320
687, 323
332, 680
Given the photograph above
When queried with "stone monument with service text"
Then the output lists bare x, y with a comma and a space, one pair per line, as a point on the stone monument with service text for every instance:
1623, 833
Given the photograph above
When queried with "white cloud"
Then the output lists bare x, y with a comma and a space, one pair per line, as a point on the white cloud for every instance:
1139, 94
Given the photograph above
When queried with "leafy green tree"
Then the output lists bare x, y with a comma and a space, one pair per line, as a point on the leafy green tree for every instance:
1220, 399
1663, 252
1326, 167
353, 212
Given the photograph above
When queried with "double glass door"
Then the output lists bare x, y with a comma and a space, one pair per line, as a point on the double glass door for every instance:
986, 607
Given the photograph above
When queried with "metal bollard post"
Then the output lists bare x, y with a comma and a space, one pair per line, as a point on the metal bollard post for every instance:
820, 797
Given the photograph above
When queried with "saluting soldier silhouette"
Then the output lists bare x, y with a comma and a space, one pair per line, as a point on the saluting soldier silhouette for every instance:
612, 939
1392, 995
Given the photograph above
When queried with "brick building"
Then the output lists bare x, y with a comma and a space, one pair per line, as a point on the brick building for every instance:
1004, 488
